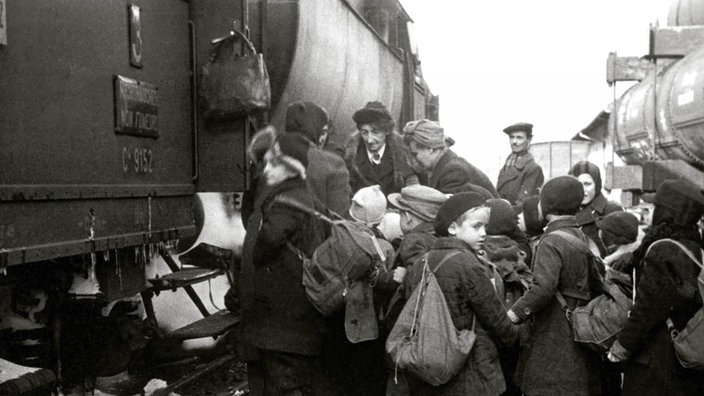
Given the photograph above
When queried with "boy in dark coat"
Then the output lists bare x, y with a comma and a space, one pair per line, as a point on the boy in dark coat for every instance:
551, 362
280, 329
666, 280
470, 294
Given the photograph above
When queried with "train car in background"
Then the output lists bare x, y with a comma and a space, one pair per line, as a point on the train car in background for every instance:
108, 166
657, 126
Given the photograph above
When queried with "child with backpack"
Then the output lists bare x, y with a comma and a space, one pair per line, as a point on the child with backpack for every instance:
668, 294
470, 295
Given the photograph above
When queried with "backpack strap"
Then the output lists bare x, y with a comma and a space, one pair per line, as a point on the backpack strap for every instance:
670, 324
444, 259
582, 246
296, 204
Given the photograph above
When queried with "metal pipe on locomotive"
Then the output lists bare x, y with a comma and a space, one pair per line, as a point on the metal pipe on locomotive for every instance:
105, 153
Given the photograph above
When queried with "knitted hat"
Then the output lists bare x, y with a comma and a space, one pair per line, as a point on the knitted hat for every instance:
503, 220
531, 215
422, 201
371, 113
453, 208
520, 127
368, 205
292, 150
618, 228
306, 118
679, 202
583, 167
561, 195
425, 132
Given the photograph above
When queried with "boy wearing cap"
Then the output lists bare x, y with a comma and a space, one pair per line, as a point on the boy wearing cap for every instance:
619, 232
551, 362
446, 171
470, 295
327, 175
667, 288
280, 329
375, 154
521, 176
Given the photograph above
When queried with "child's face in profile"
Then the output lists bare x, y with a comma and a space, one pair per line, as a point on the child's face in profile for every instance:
471, 229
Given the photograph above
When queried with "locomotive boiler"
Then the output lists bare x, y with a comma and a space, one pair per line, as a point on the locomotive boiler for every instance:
657, 126
105, 154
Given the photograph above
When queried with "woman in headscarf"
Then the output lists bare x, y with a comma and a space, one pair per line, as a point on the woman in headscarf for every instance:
594, 205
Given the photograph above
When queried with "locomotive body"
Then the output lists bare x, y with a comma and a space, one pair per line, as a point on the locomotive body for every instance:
657, 126
104, 147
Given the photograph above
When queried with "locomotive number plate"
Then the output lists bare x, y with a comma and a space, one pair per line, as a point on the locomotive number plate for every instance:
136, 110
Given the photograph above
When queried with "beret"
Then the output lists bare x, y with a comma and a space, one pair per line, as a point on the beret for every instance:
455, 206
622, 227
371, 112
561, 195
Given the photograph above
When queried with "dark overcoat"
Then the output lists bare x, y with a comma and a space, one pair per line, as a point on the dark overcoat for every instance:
469, 293
415, 243
520, 180
329, 180
588, 214
667, 286
453, 174
276, 313
392, 175
551, 363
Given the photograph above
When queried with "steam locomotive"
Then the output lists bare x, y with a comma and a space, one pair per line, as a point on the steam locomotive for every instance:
105, 153
657, 126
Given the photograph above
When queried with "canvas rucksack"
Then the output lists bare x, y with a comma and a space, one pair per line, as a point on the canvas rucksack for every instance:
689, 342
351, 253
424, 340
597, 323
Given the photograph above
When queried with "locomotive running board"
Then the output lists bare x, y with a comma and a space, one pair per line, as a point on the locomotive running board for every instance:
211, 326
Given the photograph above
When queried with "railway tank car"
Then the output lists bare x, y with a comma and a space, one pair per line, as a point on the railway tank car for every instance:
657, 126
108, 166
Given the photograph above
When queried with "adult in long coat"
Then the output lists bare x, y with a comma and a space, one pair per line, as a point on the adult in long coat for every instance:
551, 362
594, 205
446, 171
666, 288
375, 154
327, 176
521, 177
280, 324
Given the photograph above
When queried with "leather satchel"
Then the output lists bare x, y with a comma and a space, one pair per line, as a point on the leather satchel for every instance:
233, 84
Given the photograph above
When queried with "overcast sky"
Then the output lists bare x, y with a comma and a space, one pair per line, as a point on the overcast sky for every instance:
494, 63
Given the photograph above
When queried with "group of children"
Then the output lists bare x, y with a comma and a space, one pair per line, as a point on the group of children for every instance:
508, 265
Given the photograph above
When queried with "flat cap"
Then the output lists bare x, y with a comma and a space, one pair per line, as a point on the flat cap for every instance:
520, 127
422, 201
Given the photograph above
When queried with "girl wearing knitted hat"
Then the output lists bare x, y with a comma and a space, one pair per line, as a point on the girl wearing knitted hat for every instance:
594, 205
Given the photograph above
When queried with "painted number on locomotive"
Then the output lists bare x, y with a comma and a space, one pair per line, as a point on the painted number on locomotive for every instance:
137, 160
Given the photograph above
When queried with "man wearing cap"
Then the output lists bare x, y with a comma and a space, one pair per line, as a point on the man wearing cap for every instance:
521, 176
280, 328
446, 171
376, 154
327, 176
551, 362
